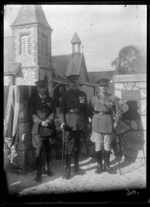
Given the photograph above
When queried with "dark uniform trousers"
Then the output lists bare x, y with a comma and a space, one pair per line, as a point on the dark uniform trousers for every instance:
42, 109
73, 112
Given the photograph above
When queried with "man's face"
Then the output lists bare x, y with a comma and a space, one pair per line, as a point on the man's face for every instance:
103, 89
74, 85
41, 91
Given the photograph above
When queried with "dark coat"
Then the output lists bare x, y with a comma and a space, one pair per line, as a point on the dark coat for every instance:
74, 109
109, 106
41, 110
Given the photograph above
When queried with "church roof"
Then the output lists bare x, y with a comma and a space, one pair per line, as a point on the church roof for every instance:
74, 64
75, 39
31, 14
66, 65
60, 63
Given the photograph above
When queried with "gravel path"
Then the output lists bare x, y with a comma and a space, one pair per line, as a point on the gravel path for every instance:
133, 177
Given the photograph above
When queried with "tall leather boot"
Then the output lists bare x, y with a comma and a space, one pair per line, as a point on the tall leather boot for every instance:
77, 170
49, 172
67, 174
107, 160
39, 170
99, 162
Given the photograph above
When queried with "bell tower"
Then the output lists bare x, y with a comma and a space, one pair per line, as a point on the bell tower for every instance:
32, 44
76, 43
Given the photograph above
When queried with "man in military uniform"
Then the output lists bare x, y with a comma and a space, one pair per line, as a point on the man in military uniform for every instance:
74, 119
43, 112
105, 114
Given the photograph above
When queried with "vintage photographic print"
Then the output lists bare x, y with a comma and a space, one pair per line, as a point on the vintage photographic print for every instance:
75, 103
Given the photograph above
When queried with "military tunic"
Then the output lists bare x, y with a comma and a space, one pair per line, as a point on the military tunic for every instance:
104, 110
74, 112
42, 109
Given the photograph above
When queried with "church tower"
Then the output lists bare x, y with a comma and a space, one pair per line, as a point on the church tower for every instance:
32, 44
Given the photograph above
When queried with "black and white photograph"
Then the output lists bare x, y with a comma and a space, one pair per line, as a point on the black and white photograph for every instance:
75, 102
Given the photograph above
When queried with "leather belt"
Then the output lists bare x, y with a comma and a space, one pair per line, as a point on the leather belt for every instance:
102, 112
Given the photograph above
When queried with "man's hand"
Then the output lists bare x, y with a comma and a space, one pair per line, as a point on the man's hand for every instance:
115, 125
44, 124
63, 125
50, 119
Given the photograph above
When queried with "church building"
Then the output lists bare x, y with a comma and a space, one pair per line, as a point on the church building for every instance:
27, 54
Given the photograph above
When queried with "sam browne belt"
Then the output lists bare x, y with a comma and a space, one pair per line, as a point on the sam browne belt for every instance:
103, 112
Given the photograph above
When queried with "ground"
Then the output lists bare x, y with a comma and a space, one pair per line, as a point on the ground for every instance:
133, 176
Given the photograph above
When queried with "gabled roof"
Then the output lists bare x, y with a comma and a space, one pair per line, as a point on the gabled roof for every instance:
60, 64
75, 39
74, 64
14, 69
31, 14
66, 65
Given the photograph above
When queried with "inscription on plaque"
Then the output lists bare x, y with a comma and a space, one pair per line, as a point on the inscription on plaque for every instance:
131, 95
131, 103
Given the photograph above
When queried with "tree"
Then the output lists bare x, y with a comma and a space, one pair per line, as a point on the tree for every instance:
130, 60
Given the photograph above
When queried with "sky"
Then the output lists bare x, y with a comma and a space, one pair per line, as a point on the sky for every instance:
102, 29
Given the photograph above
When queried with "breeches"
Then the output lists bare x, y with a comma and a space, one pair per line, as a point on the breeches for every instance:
73, 141
40, 144
102, 140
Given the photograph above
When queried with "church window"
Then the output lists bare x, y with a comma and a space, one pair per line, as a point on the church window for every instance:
25, 44
44, 45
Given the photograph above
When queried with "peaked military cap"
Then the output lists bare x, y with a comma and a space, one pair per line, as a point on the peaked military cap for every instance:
41, 83
73, 78
103, 82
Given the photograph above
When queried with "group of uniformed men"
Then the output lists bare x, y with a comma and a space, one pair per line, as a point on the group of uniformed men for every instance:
75, 115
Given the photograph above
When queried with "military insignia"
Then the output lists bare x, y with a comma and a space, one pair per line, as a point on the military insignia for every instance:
109, 105
82, 99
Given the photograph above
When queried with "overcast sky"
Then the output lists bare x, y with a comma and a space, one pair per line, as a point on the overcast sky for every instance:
102, 29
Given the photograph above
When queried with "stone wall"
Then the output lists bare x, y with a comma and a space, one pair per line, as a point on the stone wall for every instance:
30, 76
34, 62
131, 90
27, 60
